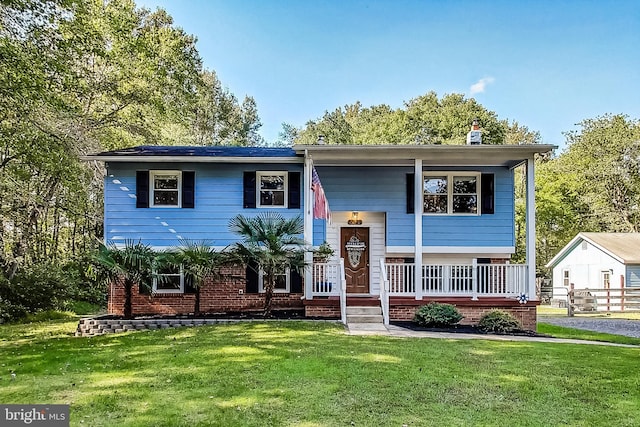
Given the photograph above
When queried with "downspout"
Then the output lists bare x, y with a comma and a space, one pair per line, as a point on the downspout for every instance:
308, 226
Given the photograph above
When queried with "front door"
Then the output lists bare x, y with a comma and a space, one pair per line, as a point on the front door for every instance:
354, 249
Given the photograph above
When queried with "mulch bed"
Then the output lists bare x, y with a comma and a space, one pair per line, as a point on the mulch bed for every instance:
464, 329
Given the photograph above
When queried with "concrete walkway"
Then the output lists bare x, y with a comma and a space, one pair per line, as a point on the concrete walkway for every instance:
397, 331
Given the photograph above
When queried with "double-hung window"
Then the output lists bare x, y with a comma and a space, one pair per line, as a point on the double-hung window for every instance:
272, 189
455, 193
165, 188
169, 280
282, 282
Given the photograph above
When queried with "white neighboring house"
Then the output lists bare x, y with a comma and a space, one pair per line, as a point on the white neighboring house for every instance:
597, 261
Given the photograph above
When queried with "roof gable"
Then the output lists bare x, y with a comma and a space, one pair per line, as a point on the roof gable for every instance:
625, 247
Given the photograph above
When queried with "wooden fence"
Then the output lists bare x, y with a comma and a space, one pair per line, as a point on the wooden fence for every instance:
598, 300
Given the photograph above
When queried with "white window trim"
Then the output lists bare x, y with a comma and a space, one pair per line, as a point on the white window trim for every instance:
152, 174
449, 175
275, 291
168, 291
260, 174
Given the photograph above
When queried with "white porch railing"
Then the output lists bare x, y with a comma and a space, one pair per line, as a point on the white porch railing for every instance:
384, 292
328, 279
496, 280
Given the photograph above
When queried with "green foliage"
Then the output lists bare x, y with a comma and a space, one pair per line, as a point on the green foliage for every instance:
426, 119
437, 314
270, 244
41, 287
49, 315
133, 264
82, 77
498, 321
198, 261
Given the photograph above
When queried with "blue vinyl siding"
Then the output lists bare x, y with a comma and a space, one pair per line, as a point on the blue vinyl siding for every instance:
383, 189
218, 198
372, 189
497, 229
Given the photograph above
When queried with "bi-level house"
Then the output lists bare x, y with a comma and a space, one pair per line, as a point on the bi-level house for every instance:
409, 224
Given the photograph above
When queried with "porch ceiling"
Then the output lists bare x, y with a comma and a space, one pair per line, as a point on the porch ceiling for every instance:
437, 155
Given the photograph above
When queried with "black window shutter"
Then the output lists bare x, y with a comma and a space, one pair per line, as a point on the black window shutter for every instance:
249, 183
142, 189
188, 189
188, 284
295, 282
294, 190
252, 279
411, 193
487, 186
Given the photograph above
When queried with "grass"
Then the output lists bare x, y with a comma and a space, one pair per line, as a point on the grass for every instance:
581, 334
312, 374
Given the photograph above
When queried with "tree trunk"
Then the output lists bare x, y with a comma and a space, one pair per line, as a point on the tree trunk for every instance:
128, 289
268, 296
196, 308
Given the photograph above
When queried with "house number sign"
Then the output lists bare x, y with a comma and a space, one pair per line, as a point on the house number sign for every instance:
355, 247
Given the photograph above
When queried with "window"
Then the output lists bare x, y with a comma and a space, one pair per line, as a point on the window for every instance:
165, 188
451, 193
169, 280
282, 283
566, 278
272, 189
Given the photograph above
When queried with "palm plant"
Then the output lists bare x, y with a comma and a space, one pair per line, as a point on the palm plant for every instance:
198, 261
271, 245
133, 264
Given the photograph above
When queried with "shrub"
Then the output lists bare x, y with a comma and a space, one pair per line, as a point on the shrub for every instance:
499, 321
436, 314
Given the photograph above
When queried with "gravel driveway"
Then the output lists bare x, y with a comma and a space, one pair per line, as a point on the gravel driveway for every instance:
630, 328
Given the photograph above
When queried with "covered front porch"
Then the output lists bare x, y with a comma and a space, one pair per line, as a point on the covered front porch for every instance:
473, 284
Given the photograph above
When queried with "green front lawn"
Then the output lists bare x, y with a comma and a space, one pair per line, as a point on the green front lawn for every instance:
312, 374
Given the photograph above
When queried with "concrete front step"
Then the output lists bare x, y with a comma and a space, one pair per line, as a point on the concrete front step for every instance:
364, 310
364, 318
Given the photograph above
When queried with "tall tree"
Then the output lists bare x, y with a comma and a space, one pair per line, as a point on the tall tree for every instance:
426, 119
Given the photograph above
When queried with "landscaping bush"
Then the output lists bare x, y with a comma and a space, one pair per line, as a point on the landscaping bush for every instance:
499, 321
38, 288
437, 315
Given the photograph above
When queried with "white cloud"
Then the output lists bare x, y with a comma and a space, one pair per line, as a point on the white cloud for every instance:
480, 85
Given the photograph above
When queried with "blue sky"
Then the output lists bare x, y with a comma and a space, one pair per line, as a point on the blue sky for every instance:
546, 64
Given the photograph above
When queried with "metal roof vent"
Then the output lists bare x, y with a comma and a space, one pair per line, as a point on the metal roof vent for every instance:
474, 137
320, 140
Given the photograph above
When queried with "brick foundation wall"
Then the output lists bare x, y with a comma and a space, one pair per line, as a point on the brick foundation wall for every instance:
227, 293
472, 311
322, 311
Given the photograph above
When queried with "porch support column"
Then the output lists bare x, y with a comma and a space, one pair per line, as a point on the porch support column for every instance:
417, 209
308, 226
531, 231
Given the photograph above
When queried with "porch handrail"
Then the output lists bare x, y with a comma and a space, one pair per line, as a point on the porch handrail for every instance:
343, 293
472, 280
384, 292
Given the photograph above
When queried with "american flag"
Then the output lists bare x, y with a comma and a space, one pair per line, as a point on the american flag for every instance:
320, 203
